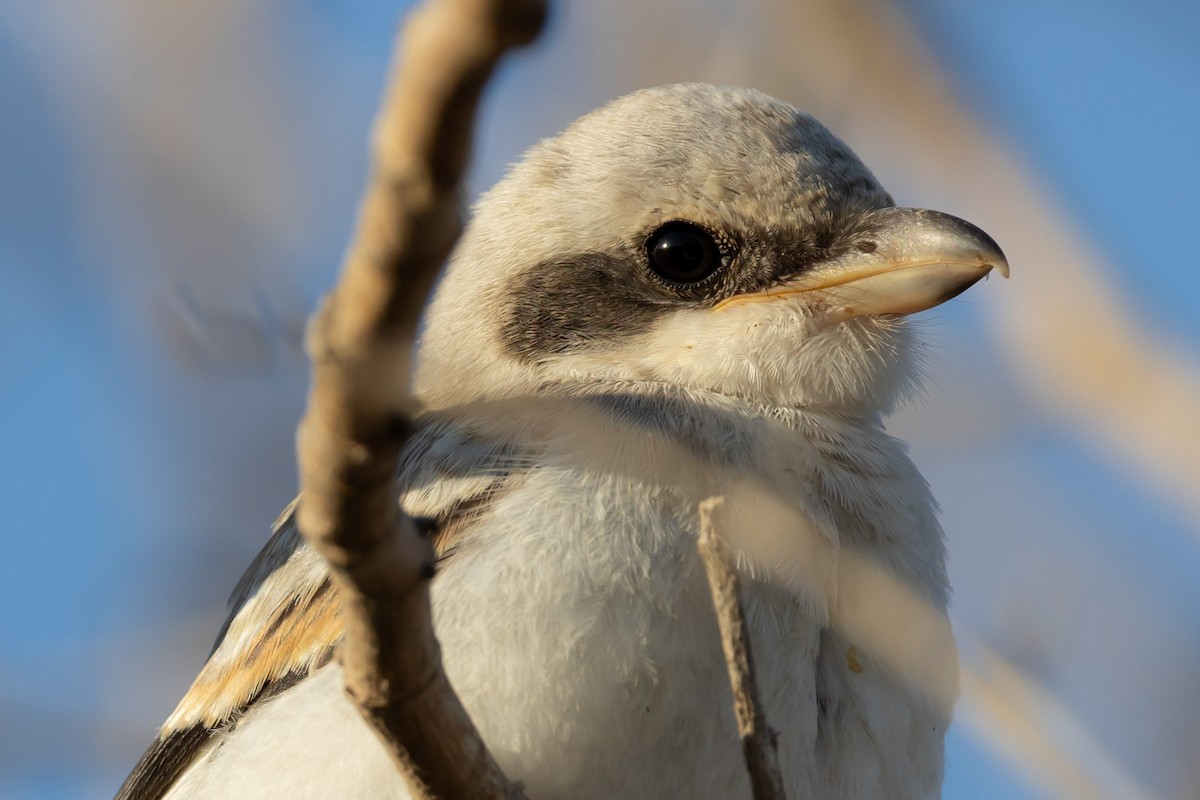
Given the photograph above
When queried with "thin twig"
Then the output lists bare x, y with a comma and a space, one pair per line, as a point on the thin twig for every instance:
359, 409
758, 740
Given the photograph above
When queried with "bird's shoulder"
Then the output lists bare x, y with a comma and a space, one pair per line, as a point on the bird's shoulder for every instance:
284, 621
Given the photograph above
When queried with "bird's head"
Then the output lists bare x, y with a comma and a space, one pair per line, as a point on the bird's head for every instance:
698, 236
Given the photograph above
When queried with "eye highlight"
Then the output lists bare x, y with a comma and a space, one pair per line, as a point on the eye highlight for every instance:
682, 252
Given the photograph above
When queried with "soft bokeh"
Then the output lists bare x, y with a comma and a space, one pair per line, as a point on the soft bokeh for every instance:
177, 181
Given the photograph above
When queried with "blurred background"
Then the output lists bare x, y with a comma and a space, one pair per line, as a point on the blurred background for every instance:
177, 181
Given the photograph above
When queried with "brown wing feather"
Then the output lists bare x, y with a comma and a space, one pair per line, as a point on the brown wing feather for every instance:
286, 623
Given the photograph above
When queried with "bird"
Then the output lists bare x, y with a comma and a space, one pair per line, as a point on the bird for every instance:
692, 291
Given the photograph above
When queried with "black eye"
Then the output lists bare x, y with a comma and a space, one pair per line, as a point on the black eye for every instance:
681, 252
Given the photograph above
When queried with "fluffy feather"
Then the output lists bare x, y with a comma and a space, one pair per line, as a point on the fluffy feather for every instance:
586, 650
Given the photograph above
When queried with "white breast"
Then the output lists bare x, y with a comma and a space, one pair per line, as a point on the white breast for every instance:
577, 628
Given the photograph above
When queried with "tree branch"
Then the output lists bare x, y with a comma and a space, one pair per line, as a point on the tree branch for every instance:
360, 406
758, 740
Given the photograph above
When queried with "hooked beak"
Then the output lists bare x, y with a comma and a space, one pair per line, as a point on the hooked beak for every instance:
915, 259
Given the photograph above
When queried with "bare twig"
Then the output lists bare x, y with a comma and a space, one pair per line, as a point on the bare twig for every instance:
359, 406
758, 740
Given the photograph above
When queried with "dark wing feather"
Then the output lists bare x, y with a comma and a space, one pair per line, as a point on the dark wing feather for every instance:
285, 621
163, 762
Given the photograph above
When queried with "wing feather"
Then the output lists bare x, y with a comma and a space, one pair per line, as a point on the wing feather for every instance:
285, 621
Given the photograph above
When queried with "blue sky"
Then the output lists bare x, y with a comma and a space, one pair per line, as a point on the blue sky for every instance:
1102, 97
152, 381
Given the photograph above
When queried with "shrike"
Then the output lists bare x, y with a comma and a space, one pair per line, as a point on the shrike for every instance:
695, 290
